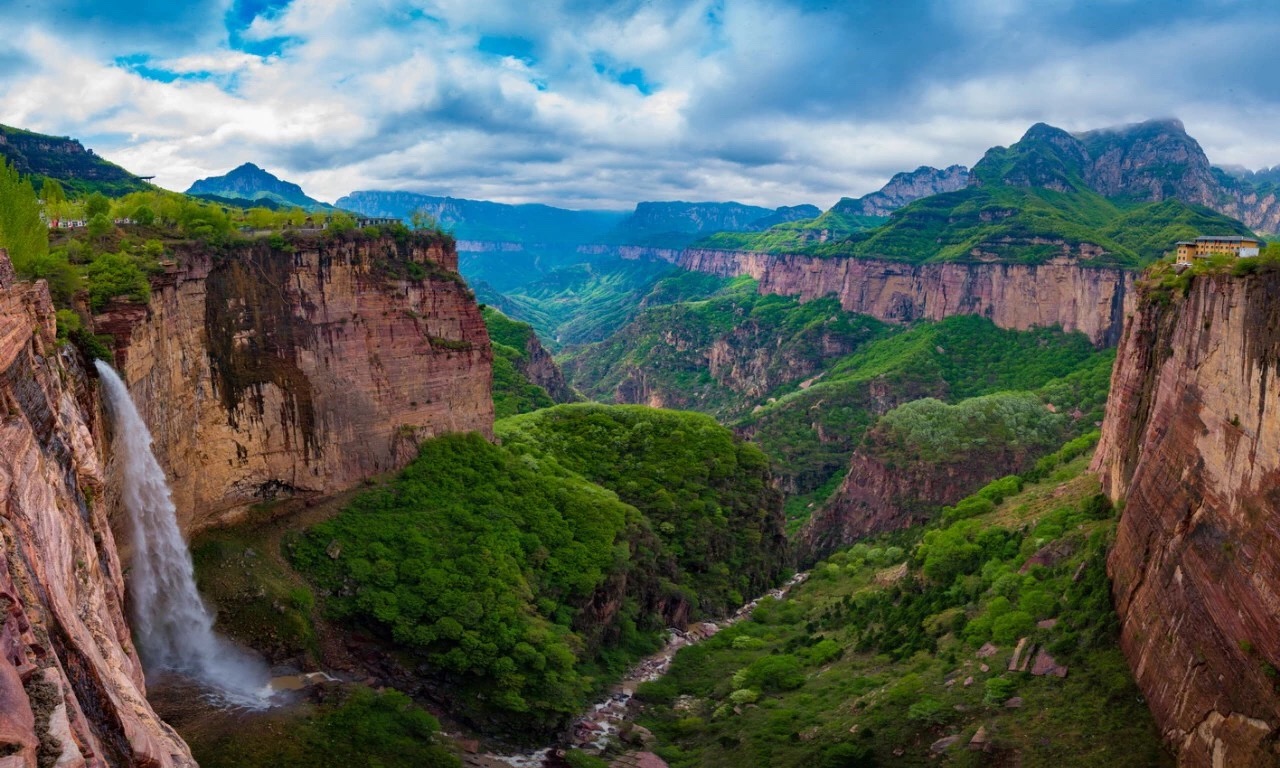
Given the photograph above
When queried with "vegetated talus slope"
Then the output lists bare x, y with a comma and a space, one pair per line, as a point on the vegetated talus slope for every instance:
901, 650
717, 346
811, 432
525, 377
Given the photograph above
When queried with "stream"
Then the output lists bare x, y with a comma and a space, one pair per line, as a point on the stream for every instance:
596, 731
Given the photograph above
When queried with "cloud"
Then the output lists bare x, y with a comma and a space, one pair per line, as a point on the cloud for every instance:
602, 104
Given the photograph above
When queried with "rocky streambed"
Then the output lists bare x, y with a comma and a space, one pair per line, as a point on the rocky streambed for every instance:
598, 730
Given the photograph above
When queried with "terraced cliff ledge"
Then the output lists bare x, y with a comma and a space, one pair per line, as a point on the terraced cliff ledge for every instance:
1191, 444
302, 366
1093, 300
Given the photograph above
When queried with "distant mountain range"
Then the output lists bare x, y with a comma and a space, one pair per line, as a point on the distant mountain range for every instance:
903, 188
488, 221
676, 224
1115, 196
251, 184
667, 224
1145, 162
1124, 167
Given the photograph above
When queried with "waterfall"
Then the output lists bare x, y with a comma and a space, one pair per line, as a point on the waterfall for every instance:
172, 626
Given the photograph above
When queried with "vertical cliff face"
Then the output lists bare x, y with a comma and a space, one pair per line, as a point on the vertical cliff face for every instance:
71, 687
1091, 300
1191, 444
540, 368
301, 370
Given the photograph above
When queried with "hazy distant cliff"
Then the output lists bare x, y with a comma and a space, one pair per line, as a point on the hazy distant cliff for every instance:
264, 372
71, 686
1191, 445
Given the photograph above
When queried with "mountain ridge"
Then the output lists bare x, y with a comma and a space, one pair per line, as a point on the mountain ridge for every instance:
251, 183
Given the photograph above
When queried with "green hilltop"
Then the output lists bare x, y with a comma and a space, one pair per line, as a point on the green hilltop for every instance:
66, 160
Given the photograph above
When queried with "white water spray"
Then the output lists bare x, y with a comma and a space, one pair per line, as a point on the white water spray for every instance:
173, 628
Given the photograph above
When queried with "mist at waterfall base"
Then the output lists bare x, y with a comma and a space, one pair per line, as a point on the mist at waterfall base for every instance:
172, 626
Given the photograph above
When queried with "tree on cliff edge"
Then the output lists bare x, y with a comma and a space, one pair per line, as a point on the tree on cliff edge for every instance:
21, 231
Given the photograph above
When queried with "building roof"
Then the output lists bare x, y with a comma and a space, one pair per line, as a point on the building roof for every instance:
1224, 239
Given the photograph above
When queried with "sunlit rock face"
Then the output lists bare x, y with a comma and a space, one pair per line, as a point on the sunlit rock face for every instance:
71, 685
1092, 300
264, 373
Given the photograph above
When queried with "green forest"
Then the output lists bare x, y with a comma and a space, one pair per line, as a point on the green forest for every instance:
527, 575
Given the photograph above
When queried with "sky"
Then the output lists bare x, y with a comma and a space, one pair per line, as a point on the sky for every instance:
602, 104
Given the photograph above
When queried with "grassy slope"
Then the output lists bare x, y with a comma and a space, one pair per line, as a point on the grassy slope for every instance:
810, 432
1002, 221
670, 340
513, 392
574, 582
866, 663
706, 493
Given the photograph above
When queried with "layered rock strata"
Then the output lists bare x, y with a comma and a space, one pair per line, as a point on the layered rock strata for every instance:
1191, 448
1092, 300
301, 370
71, 686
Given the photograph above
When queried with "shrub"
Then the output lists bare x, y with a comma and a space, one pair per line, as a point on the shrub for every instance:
929, 710
1038, 603
1011, 626
115, 274
846, 755
825, 651
744, 696
997, 690
775, 673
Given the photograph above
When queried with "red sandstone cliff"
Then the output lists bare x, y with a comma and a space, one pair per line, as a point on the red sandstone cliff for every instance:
301, 370
1092, 300
1191, 445
875, 498
71, 686
887, 489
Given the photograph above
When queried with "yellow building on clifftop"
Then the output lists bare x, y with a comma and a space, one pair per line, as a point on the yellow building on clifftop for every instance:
1204, 247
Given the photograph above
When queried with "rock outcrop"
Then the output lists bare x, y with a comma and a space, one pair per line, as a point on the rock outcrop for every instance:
892, 484
1092, 300
540, 368
906, 187
1149, 161
1191, 446
301, 370
71, 686
875, 498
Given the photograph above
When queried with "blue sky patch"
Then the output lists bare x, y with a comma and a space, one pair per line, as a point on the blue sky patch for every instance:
501, 45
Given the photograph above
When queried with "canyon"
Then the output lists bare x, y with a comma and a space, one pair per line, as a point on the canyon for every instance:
1191, 446
1077, 297
261, 372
